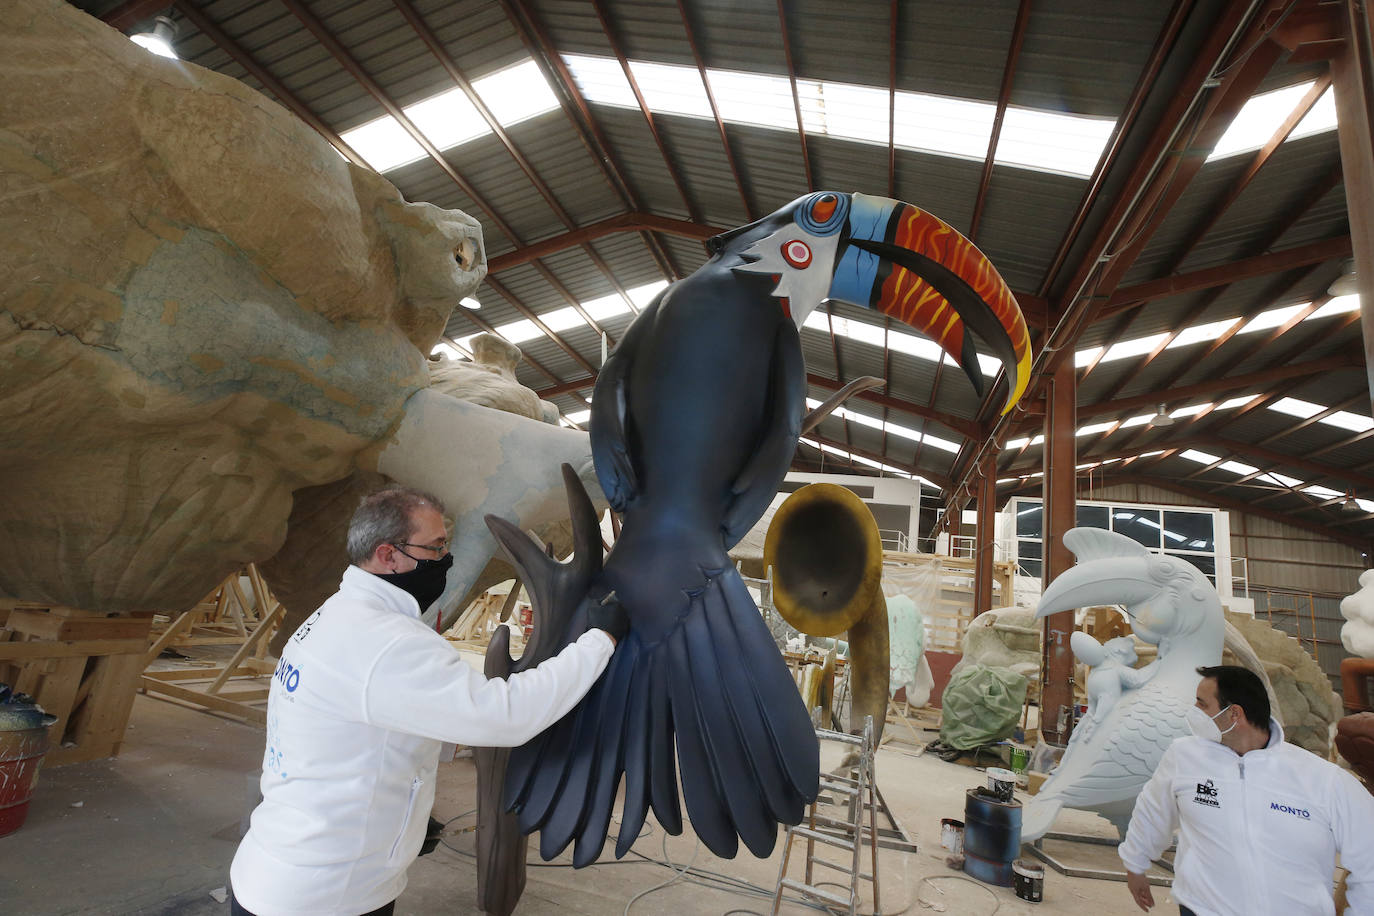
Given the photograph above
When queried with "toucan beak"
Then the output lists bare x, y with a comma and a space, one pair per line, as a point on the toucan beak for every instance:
1124, 581
906, 263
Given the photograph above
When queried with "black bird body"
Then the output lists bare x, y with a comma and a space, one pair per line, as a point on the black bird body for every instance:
695, 420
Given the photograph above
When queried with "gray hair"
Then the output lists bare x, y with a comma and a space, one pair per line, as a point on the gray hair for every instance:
385, 517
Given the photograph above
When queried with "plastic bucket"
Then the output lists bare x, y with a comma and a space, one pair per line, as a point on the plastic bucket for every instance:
952, 835
992, 837
21, 754
1020, 759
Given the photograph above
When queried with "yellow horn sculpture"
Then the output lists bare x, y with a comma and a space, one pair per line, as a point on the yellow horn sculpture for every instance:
827, 560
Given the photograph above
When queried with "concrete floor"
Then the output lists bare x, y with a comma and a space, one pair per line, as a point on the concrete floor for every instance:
152, 832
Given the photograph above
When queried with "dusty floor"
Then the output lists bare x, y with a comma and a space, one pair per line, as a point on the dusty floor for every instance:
153, 832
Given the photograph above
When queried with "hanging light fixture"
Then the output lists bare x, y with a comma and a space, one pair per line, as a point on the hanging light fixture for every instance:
1162, 418
1350, 506
159, 38
1347, 284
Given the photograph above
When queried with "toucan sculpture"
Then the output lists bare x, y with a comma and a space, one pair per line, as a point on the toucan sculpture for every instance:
694, 423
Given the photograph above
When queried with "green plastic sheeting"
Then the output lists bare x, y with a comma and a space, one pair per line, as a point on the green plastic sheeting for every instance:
981, 706
907, 641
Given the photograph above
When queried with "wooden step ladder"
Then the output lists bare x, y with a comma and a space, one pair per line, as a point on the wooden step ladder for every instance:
858, 791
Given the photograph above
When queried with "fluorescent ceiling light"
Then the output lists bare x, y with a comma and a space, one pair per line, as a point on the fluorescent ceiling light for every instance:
449, 119
1031, 138
1261, 117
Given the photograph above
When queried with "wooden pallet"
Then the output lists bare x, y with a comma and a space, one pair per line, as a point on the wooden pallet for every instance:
81, 666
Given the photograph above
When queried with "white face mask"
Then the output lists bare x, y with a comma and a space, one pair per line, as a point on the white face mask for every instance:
1205, 726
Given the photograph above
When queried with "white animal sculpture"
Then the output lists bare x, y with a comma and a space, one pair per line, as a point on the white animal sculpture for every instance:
1171, 605
1111, 673
1357, 633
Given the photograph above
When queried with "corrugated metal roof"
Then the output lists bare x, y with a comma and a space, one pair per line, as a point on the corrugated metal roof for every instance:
1081, 56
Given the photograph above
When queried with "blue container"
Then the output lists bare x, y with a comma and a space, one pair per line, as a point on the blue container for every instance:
992, 837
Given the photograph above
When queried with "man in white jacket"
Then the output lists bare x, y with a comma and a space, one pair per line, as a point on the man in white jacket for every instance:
1260, 821
362, 699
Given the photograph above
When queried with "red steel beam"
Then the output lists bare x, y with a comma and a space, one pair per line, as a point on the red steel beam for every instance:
1018, 37
796, 99
715, 110
674, 173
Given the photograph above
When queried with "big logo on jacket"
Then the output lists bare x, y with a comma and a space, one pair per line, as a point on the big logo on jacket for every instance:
1207, 795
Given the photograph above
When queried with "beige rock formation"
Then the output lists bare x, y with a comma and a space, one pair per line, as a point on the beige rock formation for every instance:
490, 380
202, 309
1308, 706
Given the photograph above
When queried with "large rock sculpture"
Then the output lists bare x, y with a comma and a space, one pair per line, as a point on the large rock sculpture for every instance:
1301, 692
204, 309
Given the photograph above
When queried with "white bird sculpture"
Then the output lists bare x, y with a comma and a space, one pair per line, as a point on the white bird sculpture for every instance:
1171, 605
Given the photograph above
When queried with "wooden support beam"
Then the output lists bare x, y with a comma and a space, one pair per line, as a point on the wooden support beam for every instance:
985, 535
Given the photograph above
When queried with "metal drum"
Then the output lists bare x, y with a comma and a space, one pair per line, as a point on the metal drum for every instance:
992, 837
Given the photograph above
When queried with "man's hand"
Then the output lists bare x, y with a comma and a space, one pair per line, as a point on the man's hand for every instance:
1139, 886
609, 616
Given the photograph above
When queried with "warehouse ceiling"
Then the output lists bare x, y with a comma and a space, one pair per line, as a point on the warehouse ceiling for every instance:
1161, 185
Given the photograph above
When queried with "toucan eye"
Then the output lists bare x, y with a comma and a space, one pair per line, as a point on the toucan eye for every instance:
824, 208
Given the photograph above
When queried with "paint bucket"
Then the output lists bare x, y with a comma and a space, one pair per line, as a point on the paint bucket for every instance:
952, 835
1028, 880
21, 754
992, 837
1001, 783
1020, 759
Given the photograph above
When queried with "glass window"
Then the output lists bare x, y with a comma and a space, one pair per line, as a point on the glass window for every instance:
1093, 517
1208, 565
1028, 520
1141, 525
1189, 531
1028, 556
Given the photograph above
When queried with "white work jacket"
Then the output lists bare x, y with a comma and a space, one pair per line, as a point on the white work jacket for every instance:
1258, 833
362, 699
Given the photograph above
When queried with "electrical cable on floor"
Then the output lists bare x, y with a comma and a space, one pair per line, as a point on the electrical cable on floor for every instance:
701, 877
996, 903
678, 876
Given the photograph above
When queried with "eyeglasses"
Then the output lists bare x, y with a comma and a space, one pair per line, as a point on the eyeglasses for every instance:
438, 550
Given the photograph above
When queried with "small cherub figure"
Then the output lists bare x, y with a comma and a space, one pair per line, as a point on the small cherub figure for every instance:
1111, 673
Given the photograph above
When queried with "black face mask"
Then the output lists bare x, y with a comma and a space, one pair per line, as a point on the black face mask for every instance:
425, 583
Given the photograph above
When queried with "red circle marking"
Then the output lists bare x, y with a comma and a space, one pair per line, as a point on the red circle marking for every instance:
796, 253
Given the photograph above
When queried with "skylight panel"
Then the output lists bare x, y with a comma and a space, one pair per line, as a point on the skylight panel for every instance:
1323, 492
1263, 114
445, 350
579, 416
1297, 408
898, 341
1282, 480
1273, 318
1137, 421
1354, 422
449, 119
1137, 347
1193, 454
1018, 443
1237, 467
384, 144
1236, 402
1042, 140
515, 94
868, 462
1365, 504
1085, 357
1189, 411
1340, 305
1052, 141
1092, 428
1202, 332
1160, 452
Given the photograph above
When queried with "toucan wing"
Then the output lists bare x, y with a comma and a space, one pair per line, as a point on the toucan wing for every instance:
758, 482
